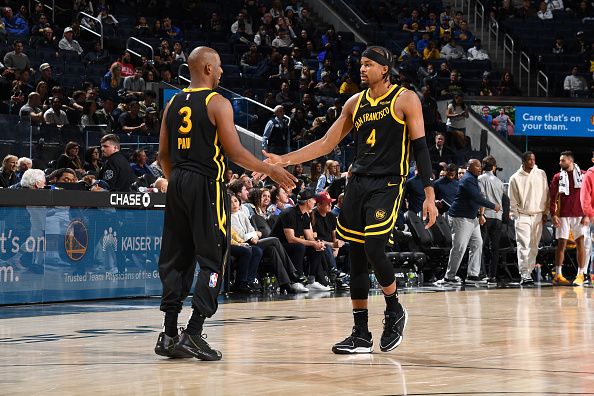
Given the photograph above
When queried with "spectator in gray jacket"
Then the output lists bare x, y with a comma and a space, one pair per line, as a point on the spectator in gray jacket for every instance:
17, 59
32, 109
452, 50
68, 43
135, 85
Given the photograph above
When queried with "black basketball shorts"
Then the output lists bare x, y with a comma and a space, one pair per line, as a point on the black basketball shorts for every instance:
370, 207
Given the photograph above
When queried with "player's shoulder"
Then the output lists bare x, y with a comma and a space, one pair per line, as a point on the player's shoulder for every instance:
215, 98
406, 96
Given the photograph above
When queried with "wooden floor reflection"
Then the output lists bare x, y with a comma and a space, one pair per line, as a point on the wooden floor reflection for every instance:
483, 342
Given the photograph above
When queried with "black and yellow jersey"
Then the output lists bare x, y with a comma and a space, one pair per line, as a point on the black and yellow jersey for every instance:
193, 140
383, 142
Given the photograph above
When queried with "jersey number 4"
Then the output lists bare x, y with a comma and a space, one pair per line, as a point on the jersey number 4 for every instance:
371, 139
186, 113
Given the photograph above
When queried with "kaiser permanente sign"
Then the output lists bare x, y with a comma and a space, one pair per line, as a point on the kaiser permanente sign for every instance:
554, 121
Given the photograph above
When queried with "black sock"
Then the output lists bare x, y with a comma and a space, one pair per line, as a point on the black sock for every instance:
195, 324
392, 304
361, 317
171, 324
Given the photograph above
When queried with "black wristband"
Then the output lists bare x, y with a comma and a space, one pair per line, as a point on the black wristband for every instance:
423, 161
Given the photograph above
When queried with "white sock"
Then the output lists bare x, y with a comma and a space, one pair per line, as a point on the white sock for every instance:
558, 270
580, 271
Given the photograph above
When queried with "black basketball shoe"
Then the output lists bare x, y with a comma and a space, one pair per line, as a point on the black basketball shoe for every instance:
394, 324
165, 345
358, 342
195, 346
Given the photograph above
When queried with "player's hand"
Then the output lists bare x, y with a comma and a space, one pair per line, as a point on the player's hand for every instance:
585, 220
429, 212
497, 207
482, 220
280, 175
272, 158
556, 222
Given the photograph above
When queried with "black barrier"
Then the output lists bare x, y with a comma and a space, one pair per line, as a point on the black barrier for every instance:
85, 199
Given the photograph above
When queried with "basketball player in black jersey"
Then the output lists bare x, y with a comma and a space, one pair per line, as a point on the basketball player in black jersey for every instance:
196, 133
386, 120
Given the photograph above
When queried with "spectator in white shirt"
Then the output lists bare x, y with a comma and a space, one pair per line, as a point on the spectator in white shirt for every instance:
246, 23
453, 51
282, 40
477, 52
55, 115
544, 13
553, 5
575, 85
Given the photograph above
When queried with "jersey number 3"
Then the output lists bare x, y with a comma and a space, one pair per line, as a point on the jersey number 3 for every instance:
371, 139
186, 113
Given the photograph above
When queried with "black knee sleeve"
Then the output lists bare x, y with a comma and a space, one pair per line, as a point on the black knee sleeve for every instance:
359, 272
376, 254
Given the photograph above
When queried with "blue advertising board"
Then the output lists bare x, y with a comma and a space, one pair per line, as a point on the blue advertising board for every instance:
168, 93
554, 121
65, 253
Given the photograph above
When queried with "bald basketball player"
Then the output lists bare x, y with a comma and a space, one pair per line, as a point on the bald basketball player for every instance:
196, 133
386, 121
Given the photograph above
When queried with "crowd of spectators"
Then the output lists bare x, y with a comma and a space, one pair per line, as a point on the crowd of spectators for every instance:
103, 168
295, 231
570, 52
302, 69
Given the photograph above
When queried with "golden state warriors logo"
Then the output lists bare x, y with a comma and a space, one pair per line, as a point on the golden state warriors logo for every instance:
76, 240
592, 119
380, 214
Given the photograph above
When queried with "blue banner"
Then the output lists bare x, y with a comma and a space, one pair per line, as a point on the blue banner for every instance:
554, 121
63, 253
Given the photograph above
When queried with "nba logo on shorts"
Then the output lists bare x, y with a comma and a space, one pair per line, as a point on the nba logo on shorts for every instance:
213, 279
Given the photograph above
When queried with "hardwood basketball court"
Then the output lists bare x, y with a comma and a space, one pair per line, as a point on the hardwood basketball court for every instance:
477, 342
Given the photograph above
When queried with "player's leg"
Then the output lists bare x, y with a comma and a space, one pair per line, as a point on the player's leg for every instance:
395, 316
360, 340
381, 210
562, 234
176, 267
580, 233
207, 212
350, 227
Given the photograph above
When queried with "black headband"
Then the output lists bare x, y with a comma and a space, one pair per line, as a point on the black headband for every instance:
376, 57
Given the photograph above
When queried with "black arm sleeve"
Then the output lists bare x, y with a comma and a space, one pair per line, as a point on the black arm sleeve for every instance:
423, 161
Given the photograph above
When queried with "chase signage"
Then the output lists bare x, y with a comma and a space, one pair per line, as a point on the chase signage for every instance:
130, 199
